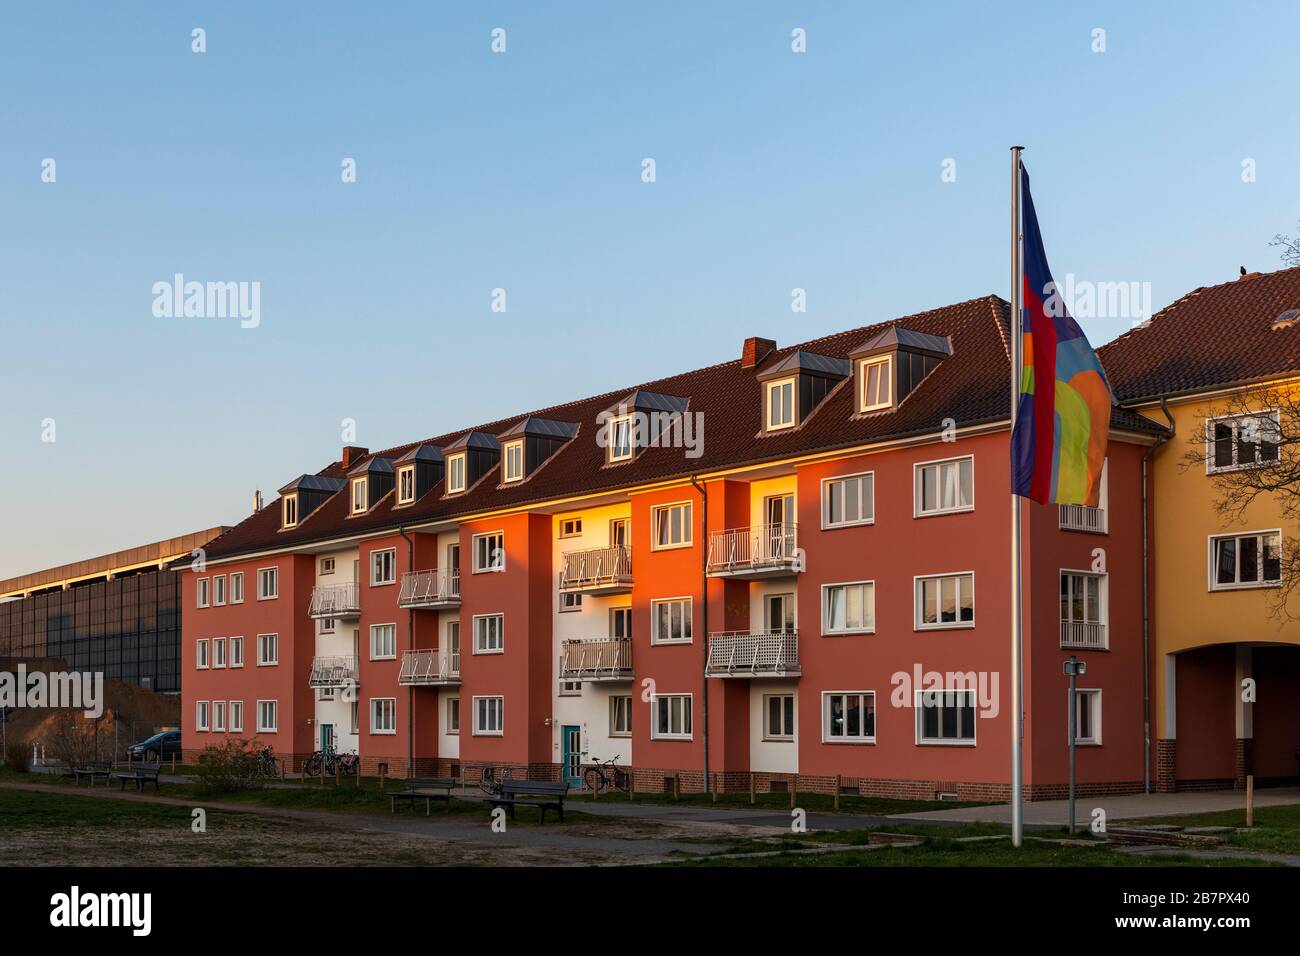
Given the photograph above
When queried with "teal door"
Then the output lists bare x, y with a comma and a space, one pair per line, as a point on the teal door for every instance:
326, 737
572, 755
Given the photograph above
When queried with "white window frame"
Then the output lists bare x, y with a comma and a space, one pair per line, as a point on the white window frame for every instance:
203, 595
262, 726
201, 659
480, 731
202, 714
273, 643
768, 389
327, 566
620, 706
237, 587
1210, 467
687, 713
918, 476
219, 716
457, 475
512, 461
661, 513
866, 628
405, 477
922, 741
264, 593
860, 738
794, 717
356, 507
865, 363
1103, 599
218, 593
611, 442
237, 644
236, 716
1094, 701
574, 528
570, 601
496, 556
687, 616
218, 653
500, 633
289, 511
1212, 572
375, 629
864, 479
381, 707
326, 625
378, 558
453, 715
918, 605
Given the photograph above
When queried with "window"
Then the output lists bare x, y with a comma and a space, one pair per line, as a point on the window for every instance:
489, 552
619, 532
778, 716
849, 608
570, 601
672, 525
359, 496
326, 565
406, 484
848, 501
453, 646
570, 688
325, 693
289, 511
237, 588
237, 716
875, 391
268, 583
1246, 560
236, 652
620, 716
1083, 609
1087, 717
945, 601
383, 567
325, 626
383, 715
354, 717
1083, 518
218, 590
780, 404
619, 438
205, 599
571, 528
943, 487
219, 715
512, 456
489, 633
849, 717
489, 716
383, 642
201, 715
945, 716
670, 621
268, 649
268, 716
453, 567
218, 652
620, 622
453, 715
201, 655
1244, 441
455, 474
672, 716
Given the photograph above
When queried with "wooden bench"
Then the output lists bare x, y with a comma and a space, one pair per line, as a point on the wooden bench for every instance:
94, 770
139, 775
427, 789
542, 794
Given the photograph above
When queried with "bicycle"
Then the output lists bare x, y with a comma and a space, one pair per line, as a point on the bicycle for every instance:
604, 775
492, 784
265, 762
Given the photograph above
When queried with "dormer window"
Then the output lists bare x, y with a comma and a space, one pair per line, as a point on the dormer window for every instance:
405, 484
512, 457
359, 496
619, 440
875, 378
455, 474
289, 511
780, 404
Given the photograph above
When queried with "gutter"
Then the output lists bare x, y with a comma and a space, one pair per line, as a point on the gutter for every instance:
410, 688
704, 622
1146, 600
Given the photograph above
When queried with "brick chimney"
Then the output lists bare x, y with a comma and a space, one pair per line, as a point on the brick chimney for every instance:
756, 349
353, 454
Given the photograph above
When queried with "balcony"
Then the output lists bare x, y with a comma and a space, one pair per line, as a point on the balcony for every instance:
764, 551
1083, 637
430, 589
1082, 518
429, 668
600, 659
741, 654
333, 672
597, 571
339, 601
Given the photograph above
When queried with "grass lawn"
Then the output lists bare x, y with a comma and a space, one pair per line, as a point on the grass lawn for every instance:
812, 802
1276, 830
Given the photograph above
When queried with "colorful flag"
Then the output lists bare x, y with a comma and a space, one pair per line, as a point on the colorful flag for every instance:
1058, 446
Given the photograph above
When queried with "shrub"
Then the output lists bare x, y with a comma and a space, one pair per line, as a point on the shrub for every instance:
229, 767
17, 756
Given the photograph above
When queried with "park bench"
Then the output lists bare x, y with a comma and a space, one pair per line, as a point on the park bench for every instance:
542, 794
139, 775
427, 789
94, 770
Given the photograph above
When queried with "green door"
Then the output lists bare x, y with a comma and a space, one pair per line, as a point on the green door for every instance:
572, 755
327, 737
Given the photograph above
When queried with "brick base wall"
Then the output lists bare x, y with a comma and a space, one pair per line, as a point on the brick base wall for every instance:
1166, 766
1242, 762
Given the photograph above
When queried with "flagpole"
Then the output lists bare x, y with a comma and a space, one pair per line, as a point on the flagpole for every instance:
1017, 624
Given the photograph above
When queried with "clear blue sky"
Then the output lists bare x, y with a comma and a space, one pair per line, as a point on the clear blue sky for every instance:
522, 171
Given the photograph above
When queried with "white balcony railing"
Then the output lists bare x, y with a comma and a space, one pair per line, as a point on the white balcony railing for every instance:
741, 654
335, 600
764, 548
1082, 518
603, 658
597, 569
1079, 636
430, 589
333, 671
430, 667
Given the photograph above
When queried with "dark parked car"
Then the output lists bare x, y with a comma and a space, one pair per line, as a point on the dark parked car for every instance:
160, 745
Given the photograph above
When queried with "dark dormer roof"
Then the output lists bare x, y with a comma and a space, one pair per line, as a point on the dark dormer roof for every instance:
422, 453
809, 363
535, 427
897, 337
482, 441
372, 466
317, 483
646, 401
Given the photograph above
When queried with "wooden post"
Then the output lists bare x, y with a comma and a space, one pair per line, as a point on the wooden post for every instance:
281, 769
794, 786
383, 775
753, 798
337, 776
173, 761
837, 793
1250, 799
715, 787
631, 784
677, 787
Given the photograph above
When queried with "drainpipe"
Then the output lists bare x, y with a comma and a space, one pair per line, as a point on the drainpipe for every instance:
1146, 603
410, 688
704, 622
